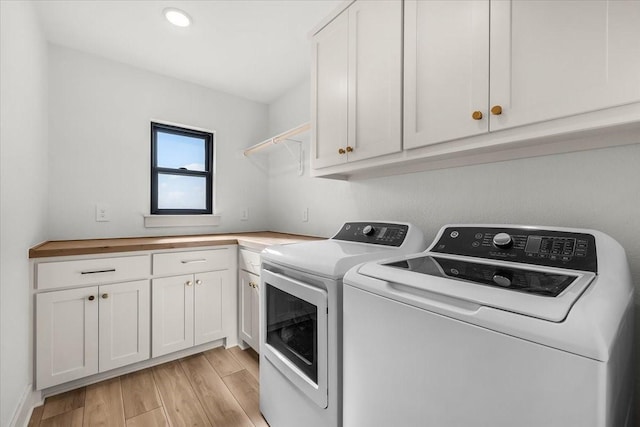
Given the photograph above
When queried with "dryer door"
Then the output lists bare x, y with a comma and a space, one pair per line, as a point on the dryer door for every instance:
294, 336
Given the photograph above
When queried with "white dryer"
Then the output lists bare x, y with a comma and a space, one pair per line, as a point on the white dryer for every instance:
495, 326
301, 318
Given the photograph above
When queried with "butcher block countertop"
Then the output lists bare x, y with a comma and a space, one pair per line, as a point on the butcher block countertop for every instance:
253, 240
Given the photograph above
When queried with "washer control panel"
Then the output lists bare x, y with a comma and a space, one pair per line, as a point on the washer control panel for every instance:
576, 251
378, 233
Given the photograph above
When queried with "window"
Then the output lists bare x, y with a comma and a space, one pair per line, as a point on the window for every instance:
181, 171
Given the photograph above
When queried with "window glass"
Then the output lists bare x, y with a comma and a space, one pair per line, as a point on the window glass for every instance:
181, 192
181, 152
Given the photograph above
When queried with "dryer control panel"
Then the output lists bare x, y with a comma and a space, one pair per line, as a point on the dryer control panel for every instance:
575, 251
378, 233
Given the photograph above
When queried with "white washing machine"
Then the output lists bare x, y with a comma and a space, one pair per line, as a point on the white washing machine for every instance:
495, 326
301, 319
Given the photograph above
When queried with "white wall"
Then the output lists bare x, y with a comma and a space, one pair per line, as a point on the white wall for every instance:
598, 189
99, 115
23, 191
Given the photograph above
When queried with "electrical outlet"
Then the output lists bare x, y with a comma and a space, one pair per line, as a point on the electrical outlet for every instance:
244, 215
305, 215
103, 213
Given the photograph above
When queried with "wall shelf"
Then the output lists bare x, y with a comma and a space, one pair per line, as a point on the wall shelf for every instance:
284, 136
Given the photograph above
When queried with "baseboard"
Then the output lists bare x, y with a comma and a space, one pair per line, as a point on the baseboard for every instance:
30, 399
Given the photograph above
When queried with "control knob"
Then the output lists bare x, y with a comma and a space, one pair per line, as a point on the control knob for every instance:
503, 278
502, 240
368, 230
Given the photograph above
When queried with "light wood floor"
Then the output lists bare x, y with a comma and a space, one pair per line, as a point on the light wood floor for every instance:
216, 388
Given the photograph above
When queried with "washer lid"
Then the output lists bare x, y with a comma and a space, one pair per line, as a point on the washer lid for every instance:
543, 293
329, 258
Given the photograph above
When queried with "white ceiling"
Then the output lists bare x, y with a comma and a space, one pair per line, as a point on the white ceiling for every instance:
256, 49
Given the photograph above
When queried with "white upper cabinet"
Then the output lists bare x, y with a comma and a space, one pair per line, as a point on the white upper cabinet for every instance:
330, 61
480, 66
552, 59
357, 84
446, 75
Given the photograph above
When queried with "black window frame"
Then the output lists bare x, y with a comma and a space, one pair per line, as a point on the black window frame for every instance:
156, 170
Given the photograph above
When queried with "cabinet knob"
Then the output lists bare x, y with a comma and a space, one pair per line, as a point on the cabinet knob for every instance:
341, 151
189, 283
349, 149
91, 298
198, 282
496, 110
477, 115
105, 296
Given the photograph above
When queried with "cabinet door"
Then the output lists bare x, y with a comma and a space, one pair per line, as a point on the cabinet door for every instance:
172, 314
552, 59
375, 79
255, 315
446, 70
124, 324
66, 336
208, 324
329, 93
248, 313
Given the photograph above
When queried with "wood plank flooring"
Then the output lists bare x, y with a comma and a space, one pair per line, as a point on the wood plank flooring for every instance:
215, 388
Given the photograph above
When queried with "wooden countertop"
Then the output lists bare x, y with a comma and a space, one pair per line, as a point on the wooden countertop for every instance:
254, 240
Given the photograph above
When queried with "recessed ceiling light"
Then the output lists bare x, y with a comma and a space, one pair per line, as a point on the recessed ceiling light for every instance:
177, 17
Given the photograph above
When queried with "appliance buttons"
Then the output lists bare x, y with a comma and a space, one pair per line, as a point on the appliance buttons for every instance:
454, 234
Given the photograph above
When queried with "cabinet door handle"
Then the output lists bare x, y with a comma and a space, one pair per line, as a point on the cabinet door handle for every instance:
105, 296
110, 270
341, 151
496, 110
477, 115
198, 282
91, 298
191, 261
189, 283
349, 149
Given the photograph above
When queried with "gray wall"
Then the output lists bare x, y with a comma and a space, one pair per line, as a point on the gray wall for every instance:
99, 115
23, 191
597, 189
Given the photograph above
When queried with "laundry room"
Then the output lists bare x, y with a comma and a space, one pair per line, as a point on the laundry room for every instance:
165, 189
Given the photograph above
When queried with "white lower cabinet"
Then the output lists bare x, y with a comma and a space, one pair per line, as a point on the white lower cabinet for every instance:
187, 310
124, 328
249, 286
80, 332
162, 302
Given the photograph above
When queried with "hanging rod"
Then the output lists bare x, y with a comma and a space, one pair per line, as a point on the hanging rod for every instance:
278, 138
